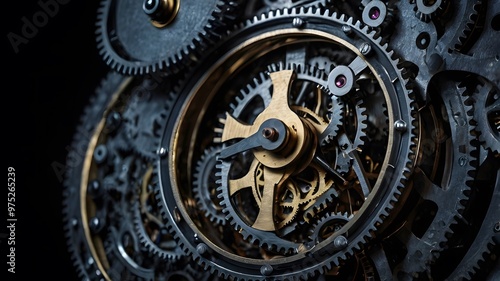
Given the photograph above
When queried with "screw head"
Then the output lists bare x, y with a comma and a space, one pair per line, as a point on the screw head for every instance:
462, 161
400, 125
266, 270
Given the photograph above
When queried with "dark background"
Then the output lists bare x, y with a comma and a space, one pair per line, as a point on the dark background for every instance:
47, 83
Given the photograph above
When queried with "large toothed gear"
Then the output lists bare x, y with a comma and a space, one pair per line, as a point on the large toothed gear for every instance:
327, 226
441, 198
273, 151
140, 37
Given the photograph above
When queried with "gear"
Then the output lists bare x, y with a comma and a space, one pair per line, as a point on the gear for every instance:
487, 115
426, 10
464, 39
137, 37
327, 226
379, 15
257, 7
149, 226
308, 79
255, 175
76, 226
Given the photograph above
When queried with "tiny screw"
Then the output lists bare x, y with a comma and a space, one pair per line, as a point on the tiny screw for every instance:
298, 23
266, 270
162, 151
365, 48
400, 125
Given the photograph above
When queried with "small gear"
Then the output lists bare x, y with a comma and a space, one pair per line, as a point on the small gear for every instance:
487, 115
322, 203
145, 115
426, 10
137, 37
205, 188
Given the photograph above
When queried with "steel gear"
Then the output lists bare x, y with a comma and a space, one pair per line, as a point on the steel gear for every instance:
148, 225
290, 140
487, 115
309, 79
297, 177
442, 196
76, 225
137, 37
327, 226
257, 7
205, 187
484, 248
101, 196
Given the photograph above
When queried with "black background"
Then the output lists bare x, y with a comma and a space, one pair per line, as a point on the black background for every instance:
47, 84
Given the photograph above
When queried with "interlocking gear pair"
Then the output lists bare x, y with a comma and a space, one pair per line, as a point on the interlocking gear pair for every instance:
289, 140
